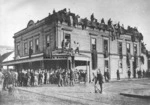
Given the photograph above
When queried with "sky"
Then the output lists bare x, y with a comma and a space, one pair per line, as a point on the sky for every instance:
15, 14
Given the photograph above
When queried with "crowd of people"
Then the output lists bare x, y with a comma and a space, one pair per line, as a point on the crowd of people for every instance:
138, 74
62, 77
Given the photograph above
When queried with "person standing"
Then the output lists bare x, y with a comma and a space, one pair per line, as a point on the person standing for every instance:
137, 71
60, 79
140, 73
48, 76
45, 77
36, 78
10, 81
118, 75
32, 78
143, 74
99, 78
77, 47
6, 77
20, 78
16, 78
105, 75
1, 80
71, 78
40, 78
108, 75
66, 78
129, 74
28, 78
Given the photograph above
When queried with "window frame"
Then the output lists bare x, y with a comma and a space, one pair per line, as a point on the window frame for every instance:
104, 45
47, 40
36, 44
127, 48
25, 48
31, 44
95, 45
18, 48
119, 47
134, 48
66, 39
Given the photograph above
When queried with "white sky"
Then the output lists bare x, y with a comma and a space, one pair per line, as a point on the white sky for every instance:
15, 14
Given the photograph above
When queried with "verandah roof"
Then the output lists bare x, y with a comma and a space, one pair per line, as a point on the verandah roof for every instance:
78, 57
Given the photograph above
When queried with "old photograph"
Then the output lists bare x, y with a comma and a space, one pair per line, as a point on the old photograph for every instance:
74, 52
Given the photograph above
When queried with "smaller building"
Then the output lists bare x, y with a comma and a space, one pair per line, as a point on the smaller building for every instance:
6, 57
9, 57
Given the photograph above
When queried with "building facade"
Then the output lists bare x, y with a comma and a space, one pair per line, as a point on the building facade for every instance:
63, 40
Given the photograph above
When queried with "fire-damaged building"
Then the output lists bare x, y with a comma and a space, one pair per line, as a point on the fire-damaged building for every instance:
64, 40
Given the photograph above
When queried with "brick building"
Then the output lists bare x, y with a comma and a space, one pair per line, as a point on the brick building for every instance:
63, 40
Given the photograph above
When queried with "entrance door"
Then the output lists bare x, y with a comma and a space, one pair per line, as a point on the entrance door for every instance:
134, 69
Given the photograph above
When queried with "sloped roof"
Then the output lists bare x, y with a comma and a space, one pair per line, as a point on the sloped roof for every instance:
4, 56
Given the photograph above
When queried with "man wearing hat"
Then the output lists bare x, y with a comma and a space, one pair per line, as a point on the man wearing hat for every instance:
99, 78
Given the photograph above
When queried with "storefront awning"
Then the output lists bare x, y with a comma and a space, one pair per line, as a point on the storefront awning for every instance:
13, 62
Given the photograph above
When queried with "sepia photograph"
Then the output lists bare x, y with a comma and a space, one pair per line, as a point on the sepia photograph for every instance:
74, 52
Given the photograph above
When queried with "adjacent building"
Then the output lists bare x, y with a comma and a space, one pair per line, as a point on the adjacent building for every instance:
63, 40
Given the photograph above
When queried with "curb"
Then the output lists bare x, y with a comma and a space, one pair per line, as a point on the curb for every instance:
133, 95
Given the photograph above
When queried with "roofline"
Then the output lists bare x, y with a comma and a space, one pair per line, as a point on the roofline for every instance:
36, 25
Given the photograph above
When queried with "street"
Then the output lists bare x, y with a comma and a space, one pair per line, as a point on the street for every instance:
80, 94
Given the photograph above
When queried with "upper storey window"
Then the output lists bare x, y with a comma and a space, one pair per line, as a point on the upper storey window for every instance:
67, 41
135, 48
31, 45
18, 49
36, 44
93, 42
120, 47
105, 48
47, 41
128, 47
25, 48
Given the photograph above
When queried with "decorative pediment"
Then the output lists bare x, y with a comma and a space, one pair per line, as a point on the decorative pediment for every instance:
30, 23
